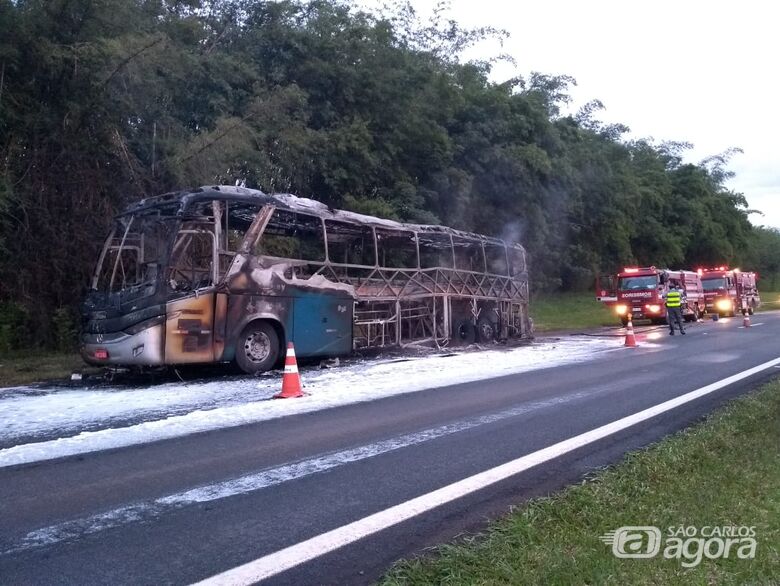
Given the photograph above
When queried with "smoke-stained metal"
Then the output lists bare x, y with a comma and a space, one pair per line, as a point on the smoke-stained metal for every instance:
212, 261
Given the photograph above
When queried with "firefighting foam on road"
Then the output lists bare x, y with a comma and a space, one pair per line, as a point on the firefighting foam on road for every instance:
45, 422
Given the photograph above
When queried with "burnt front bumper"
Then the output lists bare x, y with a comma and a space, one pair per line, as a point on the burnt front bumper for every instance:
143, 348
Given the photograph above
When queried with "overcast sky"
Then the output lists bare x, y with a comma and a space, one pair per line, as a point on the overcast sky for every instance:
699, 71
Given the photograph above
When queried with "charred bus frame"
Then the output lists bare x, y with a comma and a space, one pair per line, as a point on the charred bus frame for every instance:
226, 273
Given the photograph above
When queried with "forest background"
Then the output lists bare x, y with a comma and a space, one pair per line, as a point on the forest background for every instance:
104, 102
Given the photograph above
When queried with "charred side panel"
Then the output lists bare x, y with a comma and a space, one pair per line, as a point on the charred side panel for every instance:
315, 313
189, 334
220, 325
243, 308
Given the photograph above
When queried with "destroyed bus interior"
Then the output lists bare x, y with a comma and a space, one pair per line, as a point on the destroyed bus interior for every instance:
222, 274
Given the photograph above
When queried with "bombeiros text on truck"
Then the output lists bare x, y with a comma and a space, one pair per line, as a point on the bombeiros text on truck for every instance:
220, 274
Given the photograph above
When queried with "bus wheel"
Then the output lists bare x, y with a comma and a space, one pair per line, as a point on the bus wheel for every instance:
464, 332
257, 348
487, 330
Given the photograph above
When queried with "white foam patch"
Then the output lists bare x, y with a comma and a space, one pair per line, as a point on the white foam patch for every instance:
248, 397
34, 411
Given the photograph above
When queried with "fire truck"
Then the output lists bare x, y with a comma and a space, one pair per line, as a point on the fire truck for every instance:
729, 291
639, 292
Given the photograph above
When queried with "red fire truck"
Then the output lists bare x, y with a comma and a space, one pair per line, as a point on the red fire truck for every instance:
639, 291
729, 291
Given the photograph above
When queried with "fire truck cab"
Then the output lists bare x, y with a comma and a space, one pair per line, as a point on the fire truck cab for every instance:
640, 291
729, 291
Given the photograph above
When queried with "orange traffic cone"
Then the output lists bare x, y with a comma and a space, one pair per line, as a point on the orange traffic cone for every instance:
630, 338
291, 380
745, 319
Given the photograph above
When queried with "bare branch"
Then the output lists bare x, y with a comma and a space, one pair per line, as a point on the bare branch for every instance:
129, 58
216, 139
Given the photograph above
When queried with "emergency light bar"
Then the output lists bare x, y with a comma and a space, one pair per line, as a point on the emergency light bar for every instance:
637, 269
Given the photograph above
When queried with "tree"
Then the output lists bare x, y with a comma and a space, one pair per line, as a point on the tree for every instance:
103, 102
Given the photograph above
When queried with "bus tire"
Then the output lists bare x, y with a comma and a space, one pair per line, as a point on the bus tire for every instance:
257, 348
487, 330
464, 332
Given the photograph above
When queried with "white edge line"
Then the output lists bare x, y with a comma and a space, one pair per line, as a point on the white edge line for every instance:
294, 555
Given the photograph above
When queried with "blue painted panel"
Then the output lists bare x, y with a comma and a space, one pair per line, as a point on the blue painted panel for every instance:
322, 324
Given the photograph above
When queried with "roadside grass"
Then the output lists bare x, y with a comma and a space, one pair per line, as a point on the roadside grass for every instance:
36, 366
723, 472
570, 311
769, 300
567, 311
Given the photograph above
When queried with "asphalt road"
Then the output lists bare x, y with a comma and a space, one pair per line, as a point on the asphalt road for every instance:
109, 517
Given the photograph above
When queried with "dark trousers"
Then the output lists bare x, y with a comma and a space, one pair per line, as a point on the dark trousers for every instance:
674, 314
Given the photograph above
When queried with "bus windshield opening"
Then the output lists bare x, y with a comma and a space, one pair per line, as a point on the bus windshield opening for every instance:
132, 255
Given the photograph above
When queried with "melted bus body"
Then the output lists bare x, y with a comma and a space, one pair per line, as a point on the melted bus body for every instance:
221, 274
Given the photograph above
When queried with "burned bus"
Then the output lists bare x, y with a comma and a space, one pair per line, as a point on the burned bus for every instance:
228, 274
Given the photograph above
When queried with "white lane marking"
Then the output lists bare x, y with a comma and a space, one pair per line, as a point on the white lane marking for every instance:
715, 358
752, 325
76, 528
294, 555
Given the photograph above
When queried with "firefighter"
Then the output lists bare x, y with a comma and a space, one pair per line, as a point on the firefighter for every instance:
674, 299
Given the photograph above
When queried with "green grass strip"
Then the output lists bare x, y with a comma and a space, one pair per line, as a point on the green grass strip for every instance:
723, 472
770, 300
568, 311
34, 366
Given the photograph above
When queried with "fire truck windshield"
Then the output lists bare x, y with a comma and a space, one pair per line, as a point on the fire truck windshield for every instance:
713, 284
642, 282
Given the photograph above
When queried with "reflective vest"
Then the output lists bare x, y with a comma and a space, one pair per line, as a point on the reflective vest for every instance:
673, 299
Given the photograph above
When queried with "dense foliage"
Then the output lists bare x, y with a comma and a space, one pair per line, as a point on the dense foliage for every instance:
105, 101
